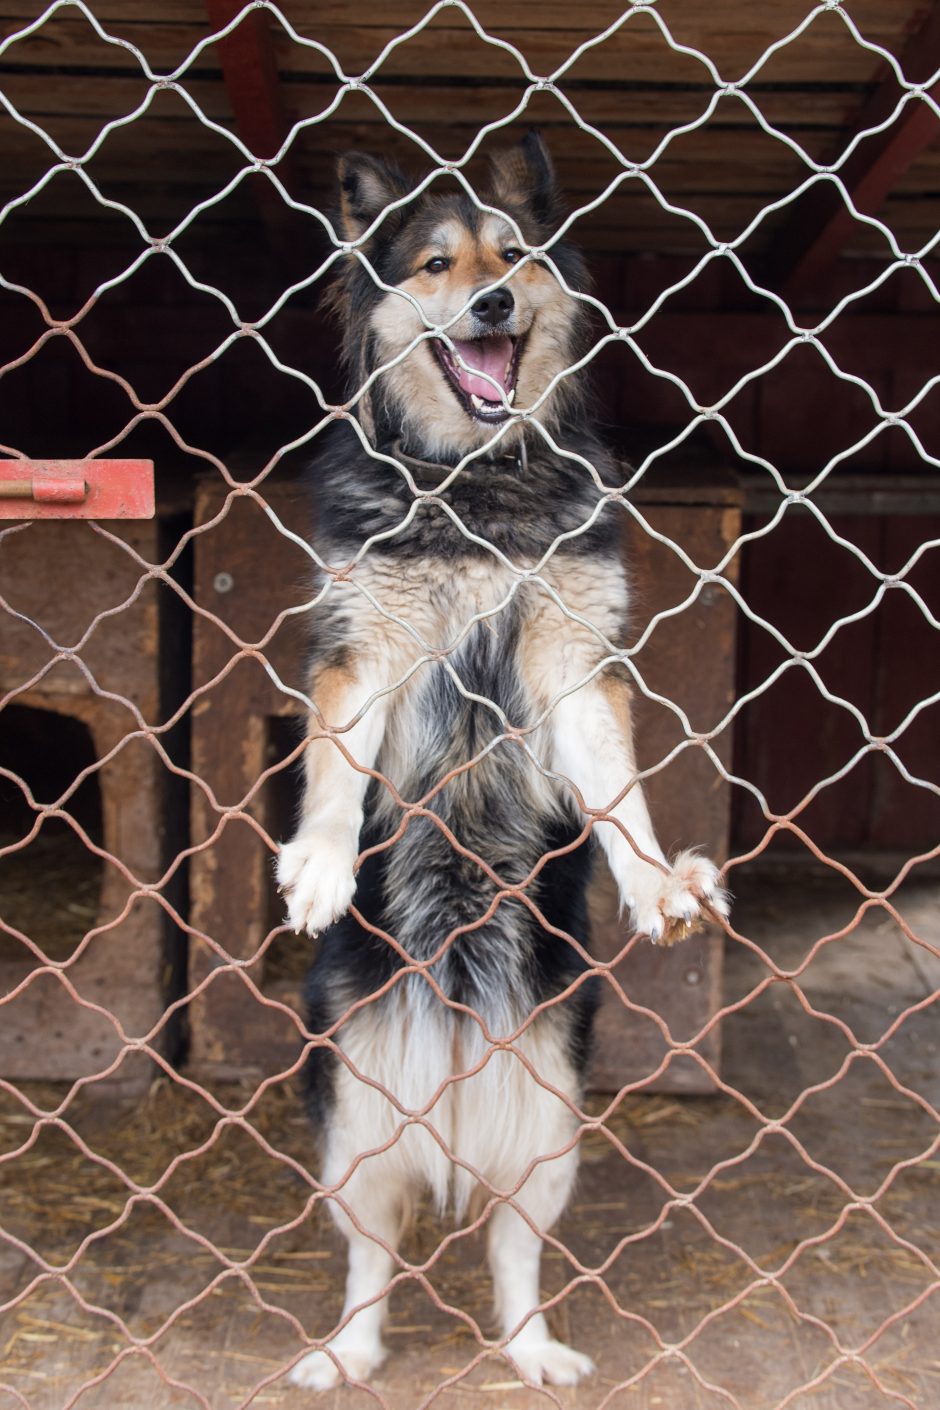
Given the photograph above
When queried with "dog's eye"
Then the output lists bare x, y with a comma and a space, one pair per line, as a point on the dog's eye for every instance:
437, 265
512, 254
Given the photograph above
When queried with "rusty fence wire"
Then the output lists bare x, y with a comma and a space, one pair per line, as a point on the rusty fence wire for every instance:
152, 1181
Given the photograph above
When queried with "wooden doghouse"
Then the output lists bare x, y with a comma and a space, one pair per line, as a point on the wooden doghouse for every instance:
57, 578
248, 575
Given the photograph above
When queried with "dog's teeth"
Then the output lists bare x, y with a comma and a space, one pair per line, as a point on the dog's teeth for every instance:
477, 401
511, 396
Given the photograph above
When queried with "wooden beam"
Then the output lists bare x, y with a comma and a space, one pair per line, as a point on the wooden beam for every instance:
249, 70
822, 225
250, 73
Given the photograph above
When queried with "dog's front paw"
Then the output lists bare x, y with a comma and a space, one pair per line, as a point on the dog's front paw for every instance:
550, 1361
319, 1371
315, 874
667, 906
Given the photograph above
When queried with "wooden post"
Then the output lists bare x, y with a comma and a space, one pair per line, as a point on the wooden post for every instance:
247, 574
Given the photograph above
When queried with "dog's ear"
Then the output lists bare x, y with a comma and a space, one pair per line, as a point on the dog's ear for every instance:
366, 186
523, 176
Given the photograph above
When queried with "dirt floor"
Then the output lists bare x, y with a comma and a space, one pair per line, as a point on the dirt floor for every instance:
783, 1251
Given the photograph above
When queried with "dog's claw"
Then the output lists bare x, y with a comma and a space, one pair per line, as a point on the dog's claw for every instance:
656, 932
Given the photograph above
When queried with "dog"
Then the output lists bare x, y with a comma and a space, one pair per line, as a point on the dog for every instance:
470, 744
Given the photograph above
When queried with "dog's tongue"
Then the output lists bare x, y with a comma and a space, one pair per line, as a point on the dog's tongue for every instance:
489, 355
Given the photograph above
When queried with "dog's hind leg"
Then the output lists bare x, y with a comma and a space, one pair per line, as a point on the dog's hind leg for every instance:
515, 1250
527, 1134
371, 1216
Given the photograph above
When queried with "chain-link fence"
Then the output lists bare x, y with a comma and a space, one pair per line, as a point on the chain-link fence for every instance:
754, 1222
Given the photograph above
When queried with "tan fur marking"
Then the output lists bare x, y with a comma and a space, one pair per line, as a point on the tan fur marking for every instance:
542, 313
330, 689
557, 651
473, 261
620, 699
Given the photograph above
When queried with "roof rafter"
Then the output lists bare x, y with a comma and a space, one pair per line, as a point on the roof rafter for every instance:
822, 225
249, 69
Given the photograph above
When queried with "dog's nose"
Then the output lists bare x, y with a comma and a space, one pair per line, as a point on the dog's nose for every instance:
494, 307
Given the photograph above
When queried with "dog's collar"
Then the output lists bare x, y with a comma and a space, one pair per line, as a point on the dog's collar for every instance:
516, 459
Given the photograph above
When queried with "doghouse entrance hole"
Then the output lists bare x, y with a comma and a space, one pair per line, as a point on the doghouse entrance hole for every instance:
50, 888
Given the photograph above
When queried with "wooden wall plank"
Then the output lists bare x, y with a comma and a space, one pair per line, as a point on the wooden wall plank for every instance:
824, 54
645, 232
790, 737
613, 106
802, 581
687, 19
907, 669
707, 159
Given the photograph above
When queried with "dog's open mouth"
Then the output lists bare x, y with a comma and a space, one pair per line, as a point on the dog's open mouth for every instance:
497, 357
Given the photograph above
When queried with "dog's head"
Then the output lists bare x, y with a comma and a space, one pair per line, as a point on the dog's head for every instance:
512, 330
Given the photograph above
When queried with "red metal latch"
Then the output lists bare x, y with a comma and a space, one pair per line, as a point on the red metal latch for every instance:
76, 489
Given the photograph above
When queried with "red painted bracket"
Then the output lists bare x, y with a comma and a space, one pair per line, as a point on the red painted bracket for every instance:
76, 489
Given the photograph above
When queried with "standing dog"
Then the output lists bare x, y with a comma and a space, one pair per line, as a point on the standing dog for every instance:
471, 719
